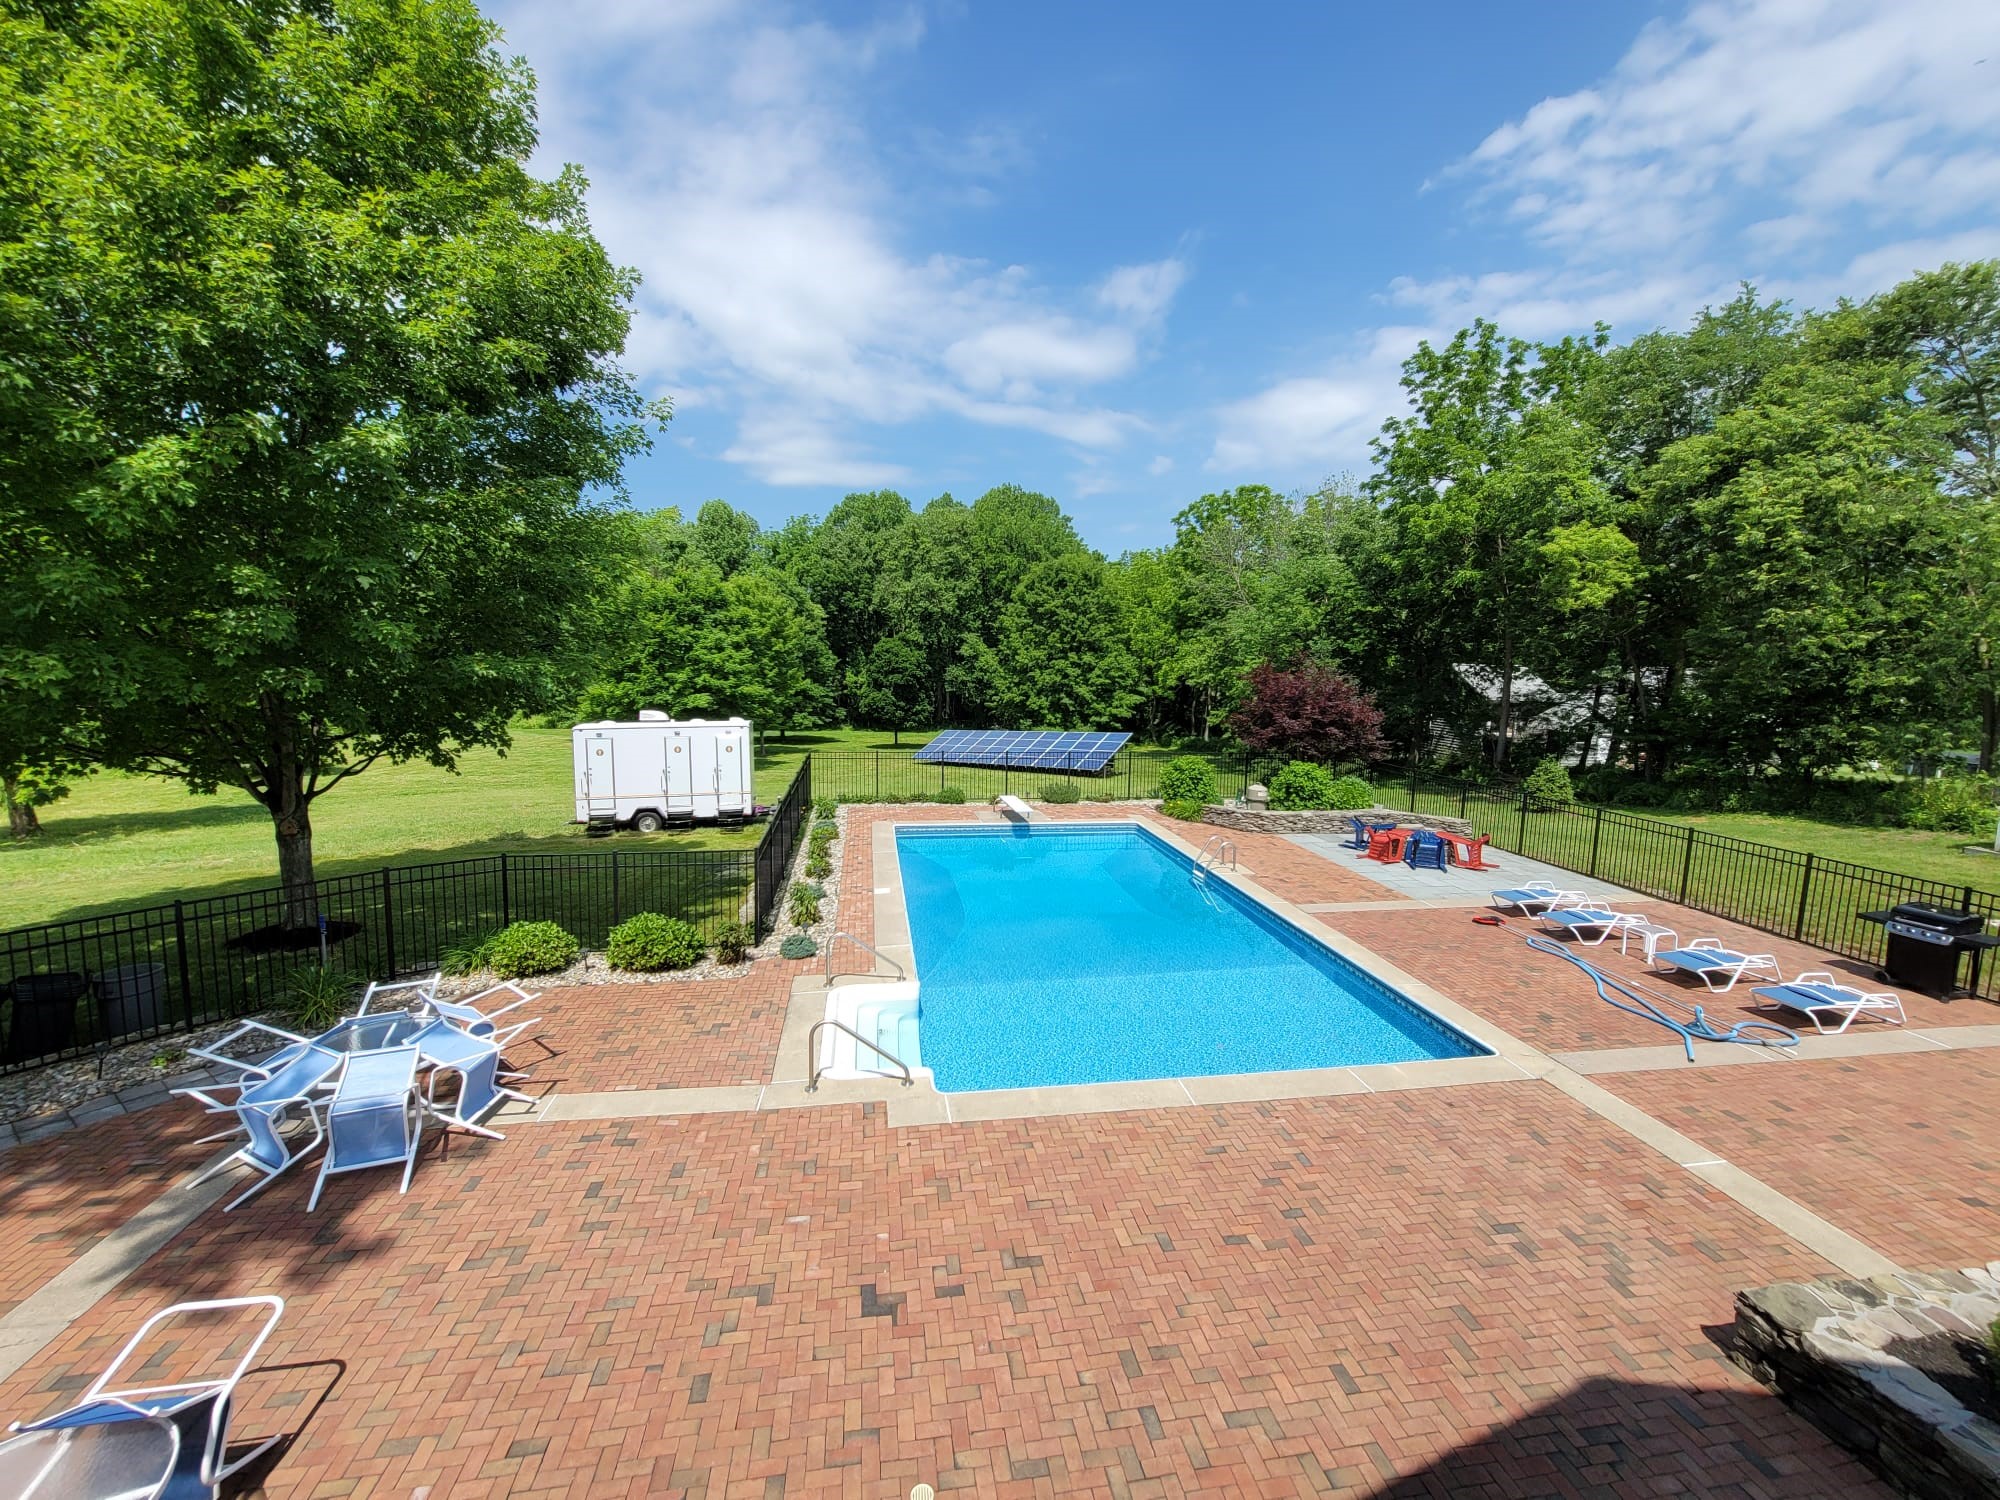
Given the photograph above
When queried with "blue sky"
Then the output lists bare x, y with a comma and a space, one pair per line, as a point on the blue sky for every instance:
1125, 254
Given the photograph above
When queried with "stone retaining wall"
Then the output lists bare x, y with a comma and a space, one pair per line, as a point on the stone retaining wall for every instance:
1249, 820
1822, 1346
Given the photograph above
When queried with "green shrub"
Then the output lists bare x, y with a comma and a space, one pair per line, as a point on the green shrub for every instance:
1951, 804
1061, 792
798, 945
823, 834
1302, 787
1187, 812
733, 942
805, 898
825, 808
650, 942
819, 864
952, 796
1549, 782
468, 957
529, 948
1350, 792
315, 997
1187, 778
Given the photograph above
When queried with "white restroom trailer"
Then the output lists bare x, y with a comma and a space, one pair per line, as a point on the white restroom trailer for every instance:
660, 771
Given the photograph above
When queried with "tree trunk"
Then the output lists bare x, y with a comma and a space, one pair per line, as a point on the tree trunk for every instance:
1989, 729
21, 819
292, 821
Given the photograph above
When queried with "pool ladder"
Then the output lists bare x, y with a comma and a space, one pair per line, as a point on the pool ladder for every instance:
1213, 853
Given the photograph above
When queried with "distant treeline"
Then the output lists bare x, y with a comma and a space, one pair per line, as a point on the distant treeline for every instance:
1765, 544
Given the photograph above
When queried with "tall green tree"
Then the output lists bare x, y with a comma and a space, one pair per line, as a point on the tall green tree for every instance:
308, 380
890, 690
1059, 662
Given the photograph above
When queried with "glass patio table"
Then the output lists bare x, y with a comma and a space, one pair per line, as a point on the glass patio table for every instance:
370, 1033
127, 1459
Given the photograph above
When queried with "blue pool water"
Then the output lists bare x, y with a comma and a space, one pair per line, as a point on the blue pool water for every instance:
1087, 955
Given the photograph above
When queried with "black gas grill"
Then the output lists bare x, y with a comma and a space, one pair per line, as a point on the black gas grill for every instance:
1926, 942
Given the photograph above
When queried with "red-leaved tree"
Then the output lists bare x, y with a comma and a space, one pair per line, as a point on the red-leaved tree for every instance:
1308, 712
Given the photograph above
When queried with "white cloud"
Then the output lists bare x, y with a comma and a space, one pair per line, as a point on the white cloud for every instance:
730, 166
1800, 107
1818, 148
1161, 464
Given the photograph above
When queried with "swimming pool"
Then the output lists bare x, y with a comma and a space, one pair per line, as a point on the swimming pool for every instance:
1089, 955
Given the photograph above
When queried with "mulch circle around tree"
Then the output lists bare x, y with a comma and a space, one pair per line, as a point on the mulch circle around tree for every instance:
1962, 1367
278, 939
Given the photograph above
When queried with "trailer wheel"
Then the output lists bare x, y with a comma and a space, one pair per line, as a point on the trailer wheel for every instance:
648, 822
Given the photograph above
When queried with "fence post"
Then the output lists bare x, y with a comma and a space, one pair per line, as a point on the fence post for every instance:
1805, 890
617, 913
878, 775
506, 898
1128, 777
1522, 844
1687, 866
388, 928
1596, 836
1413, 786
181, 948
1966, 904
1463, 792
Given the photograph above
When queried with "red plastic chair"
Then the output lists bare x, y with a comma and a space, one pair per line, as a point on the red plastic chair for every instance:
1467, 850
1387, 844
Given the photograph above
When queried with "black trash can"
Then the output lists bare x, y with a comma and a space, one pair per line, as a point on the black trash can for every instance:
130, 998
42, 1018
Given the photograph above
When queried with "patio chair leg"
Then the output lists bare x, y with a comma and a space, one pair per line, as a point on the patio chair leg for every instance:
252, 1191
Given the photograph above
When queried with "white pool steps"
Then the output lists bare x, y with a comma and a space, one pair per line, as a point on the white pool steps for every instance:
882, 1010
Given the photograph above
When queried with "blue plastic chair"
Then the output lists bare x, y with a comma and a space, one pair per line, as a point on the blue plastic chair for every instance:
375, 1119
1362, 831
1426, 851
160, 1442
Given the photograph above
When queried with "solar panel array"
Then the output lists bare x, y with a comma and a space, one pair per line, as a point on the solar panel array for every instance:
1034, 749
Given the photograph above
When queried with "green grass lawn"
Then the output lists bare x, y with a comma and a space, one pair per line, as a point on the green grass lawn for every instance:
121, 841
1904, 851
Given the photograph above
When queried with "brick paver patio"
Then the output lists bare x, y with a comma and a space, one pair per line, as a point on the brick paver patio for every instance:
1903, 1151
1483, 1290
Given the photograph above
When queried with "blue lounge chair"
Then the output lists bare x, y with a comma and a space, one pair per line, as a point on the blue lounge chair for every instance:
1537, 895
157, 1442
446, 1050
1579, 920
263, 1107
1716, 966
475, 1017
1819, 999
374, 1118
1426, 851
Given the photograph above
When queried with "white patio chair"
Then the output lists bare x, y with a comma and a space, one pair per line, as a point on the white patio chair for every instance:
1537, 896
262, 1107
448, 1051
1579, 921
149, 1442
374, 1118
411, 992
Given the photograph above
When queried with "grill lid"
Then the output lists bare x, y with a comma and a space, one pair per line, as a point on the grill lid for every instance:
1918, 914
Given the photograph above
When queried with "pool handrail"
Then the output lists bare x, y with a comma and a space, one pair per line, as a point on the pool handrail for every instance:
812, 1047
901, 972
1201, 864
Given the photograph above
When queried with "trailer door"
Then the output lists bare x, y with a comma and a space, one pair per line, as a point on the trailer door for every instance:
732, 771
600, 779
679, 774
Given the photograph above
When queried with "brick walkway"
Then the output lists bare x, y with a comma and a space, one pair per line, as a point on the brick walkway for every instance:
1902, 1151
60, 1196
1485, 1286
657, 1036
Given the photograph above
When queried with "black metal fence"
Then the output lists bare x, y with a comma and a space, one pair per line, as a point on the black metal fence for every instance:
75, 985
1796, 895
897, 776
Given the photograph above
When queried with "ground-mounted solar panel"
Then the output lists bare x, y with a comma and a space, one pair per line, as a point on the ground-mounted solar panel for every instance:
1024, 749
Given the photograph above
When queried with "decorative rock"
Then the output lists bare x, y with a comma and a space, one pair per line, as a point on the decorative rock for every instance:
1823, 1347
1255, 820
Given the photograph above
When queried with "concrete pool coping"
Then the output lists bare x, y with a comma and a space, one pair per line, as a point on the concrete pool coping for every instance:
921, 1102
